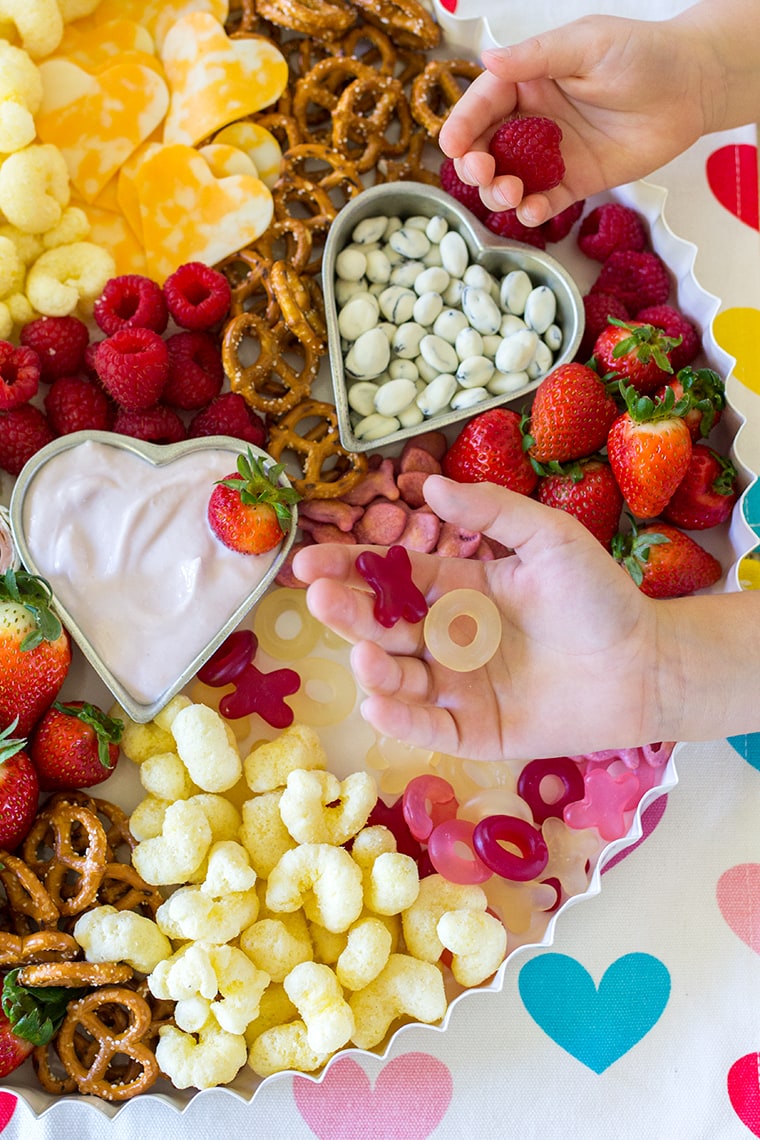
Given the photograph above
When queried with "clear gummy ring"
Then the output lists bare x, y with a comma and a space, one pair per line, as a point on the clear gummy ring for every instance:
290, 605
485, 641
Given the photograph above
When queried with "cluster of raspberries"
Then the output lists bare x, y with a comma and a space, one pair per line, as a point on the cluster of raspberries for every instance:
145, 378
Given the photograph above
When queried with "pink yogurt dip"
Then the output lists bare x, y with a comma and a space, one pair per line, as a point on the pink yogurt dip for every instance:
127, 550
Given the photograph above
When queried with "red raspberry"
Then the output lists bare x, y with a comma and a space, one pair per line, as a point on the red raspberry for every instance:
506, 224
674, 324
129, 301
609, 228
19, 374
133, 364
158, 424
197, 295
599, 307
60, 343
76, 404
229, 414
23, 431
469, 196
638, 278
560, 225
529, 148
196, 374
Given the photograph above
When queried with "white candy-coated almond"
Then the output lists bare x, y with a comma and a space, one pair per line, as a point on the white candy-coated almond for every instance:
449, 324
479, 276
378, 266
553, 337
361, 397
432, 280
468, 342
397, 304
514, 291
491, 346
393, 396
426, 308
540, 308
468, 398
417, 222
503, 382
481, 310
389, 329
516, 352
511, 323
439, 353
358, 315
406, 340
350, 264
400, 369
475, 372
369, 355
455, 256
426, 371
437, 394
452, 295
345, 290
411, 416
369, 230
405, 273
409, 242
433, 257
376, 426
436, 228
543, 358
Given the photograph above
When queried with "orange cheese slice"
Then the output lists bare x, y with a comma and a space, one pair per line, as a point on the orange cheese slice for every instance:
126, 190
224, 160
189, 215
259, 144
97, 121
159, 15
110, 230
214, 79
93, 47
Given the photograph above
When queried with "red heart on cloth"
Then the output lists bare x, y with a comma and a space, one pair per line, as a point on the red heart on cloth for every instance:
410, 1098
743, 1084
8, 1104
738, 895
732, 177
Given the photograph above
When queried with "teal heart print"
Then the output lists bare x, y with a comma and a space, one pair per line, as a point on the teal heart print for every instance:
596, 1025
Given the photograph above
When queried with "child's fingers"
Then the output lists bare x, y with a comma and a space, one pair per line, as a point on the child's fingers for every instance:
350, 612
481, 108
380, 673
420, 725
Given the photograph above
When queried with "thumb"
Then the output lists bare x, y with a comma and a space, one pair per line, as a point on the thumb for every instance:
554, 54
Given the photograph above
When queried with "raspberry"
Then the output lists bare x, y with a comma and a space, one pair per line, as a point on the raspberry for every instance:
599, 307
638, 278
469, 196
23, 431
196, 374
133, 365
129, 301
229, 414
76, 404
19, 374
158, 424
608, 228
506, 224
197, 295
529, 149
60, 343
560, 225
674, 324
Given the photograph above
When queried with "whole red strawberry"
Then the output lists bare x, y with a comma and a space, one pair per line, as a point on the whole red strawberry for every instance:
636, 353
75, 745
589, 491
19, 789
14, 1050
490, 448
706, 495
706, 394
664, 562
649, 448
250, 510
35, 651
571, 414
529, 148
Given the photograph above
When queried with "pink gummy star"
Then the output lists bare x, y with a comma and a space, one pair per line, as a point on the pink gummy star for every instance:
396, 595
262, 693
605, 803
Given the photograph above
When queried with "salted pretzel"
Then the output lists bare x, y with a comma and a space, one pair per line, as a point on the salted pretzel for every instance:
282, 125
322, 166
288, 239
79, 850
75, 974
373, 47
271, 384
248, 275
28, 896
122, 887
324, 19
438, 88
316, 94
363, 119
327, 469
304, 200
410, 166
40, 946
407, 23
301, 306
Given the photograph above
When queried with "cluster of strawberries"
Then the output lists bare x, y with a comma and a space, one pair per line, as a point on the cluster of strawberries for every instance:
146, 378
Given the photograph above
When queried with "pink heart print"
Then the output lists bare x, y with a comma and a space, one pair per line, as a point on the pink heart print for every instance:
738, 896
410, 1098
744, 1090
8, 1104
732, 176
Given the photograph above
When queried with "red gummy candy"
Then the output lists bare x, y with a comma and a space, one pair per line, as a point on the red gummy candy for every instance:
396, 595
262, 693
230, 659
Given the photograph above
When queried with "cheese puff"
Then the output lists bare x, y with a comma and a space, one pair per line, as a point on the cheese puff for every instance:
17, 128
147, 818
436, 896
189, 913
28, 246
368, 948
139, 741
192, 1013
391, 879
6, 321
68, 276
183, 844
278, 944
164, 775
317, 807
207, 747
76, 9
34, 187
284, 1047
110, 935
38, 23
20, 77
12, 268
275, 1008
19, 308
189, 972
477, 941
223, 976
323, 879
405, 987
164, 718
317, 995
213, 1057
328, 944
263, 834
229, 870
269, 764
223, 817
73, 226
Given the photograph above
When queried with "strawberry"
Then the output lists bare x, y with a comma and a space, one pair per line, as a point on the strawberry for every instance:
19, 789
74, 745
707, 398
588, 490
14, 1050
490, 448
706, 495
664, 562
635, 353
249, 511
35, 651
571, 415
31, 1015
649, 448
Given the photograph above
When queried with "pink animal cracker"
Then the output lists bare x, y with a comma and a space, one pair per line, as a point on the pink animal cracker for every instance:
396, 595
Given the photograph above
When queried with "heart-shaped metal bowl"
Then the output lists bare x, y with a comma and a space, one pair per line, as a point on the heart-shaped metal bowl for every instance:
498, 255
114, 590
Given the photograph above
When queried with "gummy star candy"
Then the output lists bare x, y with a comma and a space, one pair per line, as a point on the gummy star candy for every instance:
569, 852
396, 595
262, 693
605, 803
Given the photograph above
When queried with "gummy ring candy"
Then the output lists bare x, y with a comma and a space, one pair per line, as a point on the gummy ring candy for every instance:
529, 786
229, 660
441, 616
427, 802
493, 831
276, 611
442, 849
310, 708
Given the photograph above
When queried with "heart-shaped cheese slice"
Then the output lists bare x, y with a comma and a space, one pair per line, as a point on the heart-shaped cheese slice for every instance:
259, 144
93, 47
119, 530
158, 16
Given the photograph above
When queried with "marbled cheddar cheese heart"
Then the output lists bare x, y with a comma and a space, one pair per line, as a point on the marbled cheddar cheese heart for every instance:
262, 147
109, 229
97, 121
126, 191
159, 15
214, 79
224, 160
189, 215
92, 47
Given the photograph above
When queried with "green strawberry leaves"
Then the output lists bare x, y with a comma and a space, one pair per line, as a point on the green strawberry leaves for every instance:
10, 744
632, 550
36, 596
645, 342
108, 730
35, 1012
258, 484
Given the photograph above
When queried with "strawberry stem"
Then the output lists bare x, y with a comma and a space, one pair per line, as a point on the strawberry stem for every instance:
35, 1012
258, 484
9, 744
36, 596
108, 730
